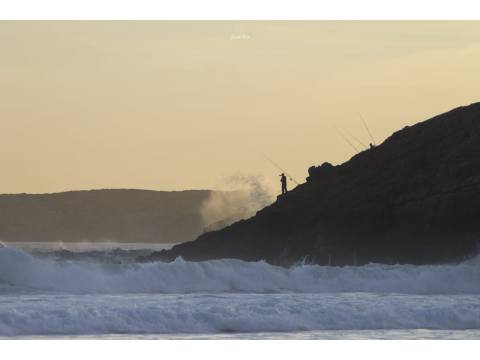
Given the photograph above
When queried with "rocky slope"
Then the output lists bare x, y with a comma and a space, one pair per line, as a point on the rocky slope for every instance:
413, 199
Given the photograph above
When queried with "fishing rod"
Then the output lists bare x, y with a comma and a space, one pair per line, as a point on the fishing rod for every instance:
368, 130
356, 139
279, 168
348, 141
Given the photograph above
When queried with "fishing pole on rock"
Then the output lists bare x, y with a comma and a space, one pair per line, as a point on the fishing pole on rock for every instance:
279, 168
356, 139
368, 130
348, 141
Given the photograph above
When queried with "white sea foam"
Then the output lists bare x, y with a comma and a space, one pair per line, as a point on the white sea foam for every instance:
42, 294
219, 313
20, 270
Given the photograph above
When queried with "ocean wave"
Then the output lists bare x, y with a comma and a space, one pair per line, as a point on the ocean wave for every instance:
21, 270
234, 313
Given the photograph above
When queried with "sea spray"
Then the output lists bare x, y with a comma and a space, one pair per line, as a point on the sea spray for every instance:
223, 208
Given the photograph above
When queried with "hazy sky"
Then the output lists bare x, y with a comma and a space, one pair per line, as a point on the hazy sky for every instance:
171, 105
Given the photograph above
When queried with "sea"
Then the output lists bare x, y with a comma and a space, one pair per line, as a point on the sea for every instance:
100, 291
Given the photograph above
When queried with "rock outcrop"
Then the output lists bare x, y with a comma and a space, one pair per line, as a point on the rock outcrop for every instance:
413, 199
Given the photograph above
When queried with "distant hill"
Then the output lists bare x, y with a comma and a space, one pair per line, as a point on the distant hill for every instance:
415, 198
140, 216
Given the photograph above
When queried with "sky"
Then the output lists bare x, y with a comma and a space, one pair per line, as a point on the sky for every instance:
174, 105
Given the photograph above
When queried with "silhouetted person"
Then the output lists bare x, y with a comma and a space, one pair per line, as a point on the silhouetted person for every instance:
283, 180
371, 146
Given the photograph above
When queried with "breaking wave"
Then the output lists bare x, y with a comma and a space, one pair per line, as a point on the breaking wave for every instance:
23, 271
237, 313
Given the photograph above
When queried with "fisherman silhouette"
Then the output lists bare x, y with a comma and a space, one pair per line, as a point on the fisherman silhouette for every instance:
283, 180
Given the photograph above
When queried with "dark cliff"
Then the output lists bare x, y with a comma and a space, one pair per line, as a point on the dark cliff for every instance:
413, 199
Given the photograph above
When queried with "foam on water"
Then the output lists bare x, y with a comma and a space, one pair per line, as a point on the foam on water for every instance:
239, 313
20, 270
60, 293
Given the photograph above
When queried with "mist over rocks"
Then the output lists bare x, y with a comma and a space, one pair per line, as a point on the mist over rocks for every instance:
248, 195
415, 198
